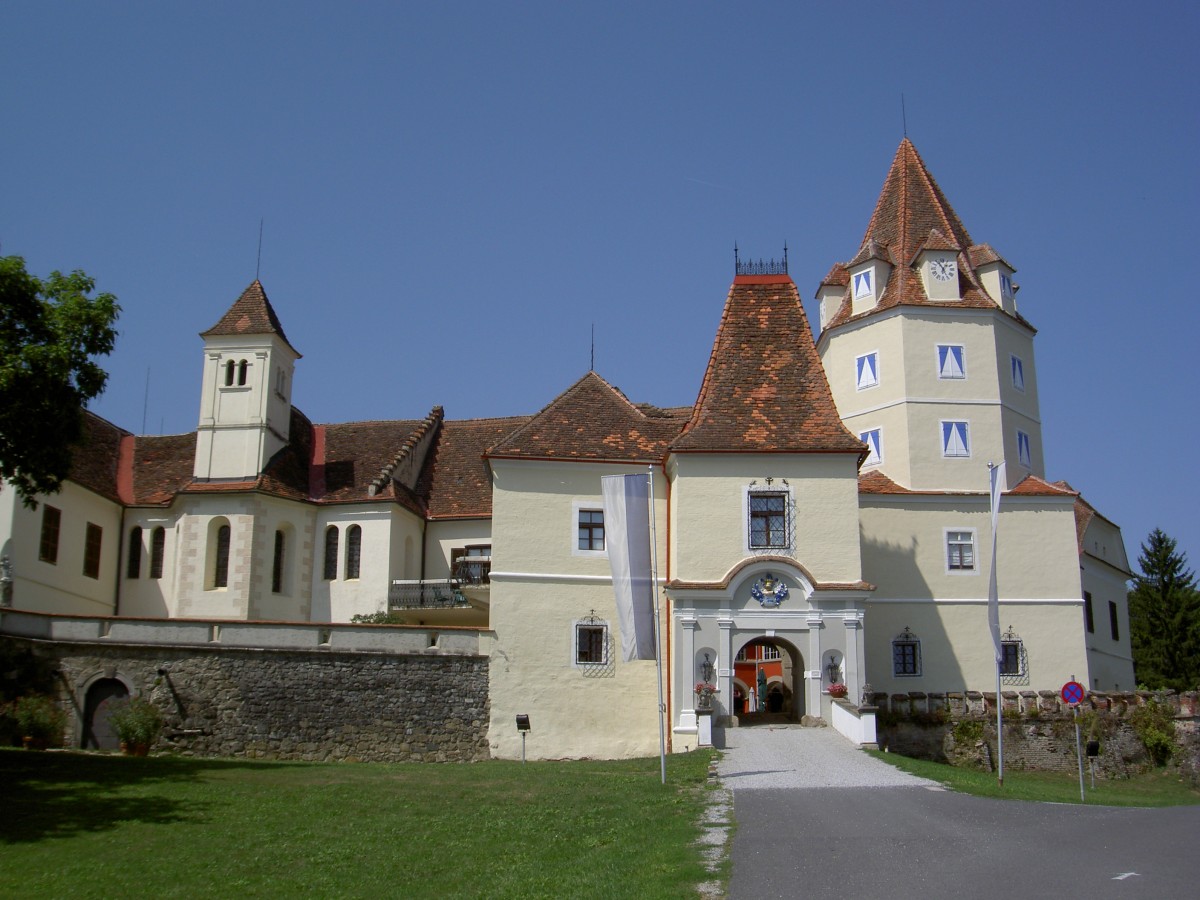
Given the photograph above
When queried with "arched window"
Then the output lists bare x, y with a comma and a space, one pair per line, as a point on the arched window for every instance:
221, 557
277, 566
134, 569
331, 550
158, 544
353, 551
229, 373
242, 366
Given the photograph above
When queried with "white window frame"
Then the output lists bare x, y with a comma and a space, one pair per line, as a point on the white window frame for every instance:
862, 436
866, 276
975, 567
1016, 367
962, 360
858, 385
578, 506
942, 438
591, 622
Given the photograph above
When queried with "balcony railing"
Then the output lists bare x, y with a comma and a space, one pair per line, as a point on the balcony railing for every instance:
473, 571
445, 594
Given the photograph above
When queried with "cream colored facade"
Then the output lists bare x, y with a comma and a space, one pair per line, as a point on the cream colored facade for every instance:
880, 582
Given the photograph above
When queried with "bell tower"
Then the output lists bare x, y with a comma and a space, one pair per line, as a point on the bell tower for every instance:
245, 400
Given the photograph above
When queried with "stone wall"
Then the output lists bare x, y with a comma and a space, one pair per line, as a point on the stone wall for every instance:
290, 703
1039, 729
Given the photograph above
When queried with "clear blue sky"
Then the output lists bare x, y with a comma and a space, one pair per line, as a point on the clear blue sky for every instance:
454, 193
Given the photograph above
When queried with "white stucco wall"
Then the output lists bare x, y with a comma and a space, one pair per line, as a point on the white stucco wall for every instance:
709, 512
61, 587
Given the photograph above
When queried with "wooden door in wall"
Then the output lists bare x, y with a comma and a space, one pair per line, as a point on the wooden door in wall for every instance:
102, 696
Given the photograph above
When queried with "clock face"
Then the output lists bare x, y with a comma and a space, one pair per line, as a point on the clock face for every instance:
943, 269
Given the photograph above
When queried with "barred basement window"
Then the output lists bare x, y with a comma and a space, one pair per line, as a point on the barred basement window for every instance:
51, 523
134, 566
1013, 653
591, 642
906, 654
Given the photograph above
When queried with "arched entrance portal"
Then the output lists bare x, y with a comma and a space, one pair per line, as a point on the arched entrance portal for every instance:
768, 682
102, 695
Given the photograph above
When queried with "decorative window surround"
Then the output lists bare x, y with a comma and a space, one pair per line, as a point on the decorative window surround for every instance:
770, 520
1012, 648
591, 642
906, 655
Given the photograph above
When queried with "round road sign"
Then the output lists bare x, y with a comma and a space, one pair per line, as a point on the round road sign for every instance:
1072, 692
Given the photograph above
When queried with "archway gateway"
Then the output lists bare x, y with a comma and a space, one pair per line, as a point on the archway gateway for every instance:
102, 696
767, 682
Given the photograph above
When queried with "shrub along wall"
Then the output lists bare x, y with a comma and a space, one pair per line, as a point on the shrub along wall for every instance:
1135, 731
290, 704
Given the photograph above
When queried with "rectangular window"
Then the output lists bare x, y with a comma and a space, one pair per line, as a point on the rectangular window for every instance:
51, 522
960, 551
952, 361
956, 439
591, 529
1112, 620
277, 565
1013, 654
768, 520
1023, 454
472, 565
1018, 374
866, 370
906, 658
1087, 613
353, 552
591, 645
874, 447
91, 550
133, 568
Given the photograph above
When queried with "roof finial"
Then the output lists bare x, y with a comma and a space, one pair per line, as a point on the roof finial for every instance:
592, 365
903, 115
258, 262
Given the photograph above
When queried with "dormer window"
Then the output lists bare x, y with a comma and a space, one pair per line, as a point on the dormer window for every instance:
862, 285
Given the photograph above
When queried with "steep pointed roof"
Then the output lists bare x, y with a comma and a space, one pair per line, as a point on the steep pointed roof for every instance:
592, 420
251, 313
765, 389
912, 214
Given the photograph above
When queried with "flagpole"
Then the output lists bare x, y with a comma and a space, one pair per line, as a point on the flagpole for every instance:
662, 736
996, 473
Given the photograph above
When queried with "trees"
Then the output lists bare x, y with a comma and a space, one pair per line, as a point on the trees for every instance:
1164, 617
50, 330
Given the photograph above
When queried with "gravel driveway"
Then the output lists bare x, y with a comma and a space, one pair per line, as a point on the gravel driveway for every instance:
791, 756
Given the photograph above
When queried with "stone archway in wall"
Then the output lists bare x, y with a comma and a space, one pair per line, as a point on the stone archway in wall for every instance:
768, 682
102, 695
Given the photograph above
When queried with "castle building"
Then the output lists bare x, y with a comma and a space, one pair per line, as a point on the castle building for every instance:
822, 509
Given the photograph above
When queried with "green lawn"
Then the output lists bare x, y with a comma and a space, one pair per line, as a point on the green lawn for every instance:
84, 825
1159, 788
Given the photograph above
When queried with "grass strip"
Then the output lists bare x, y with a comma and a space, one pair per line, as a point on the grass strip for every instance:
1157, 788
92, 825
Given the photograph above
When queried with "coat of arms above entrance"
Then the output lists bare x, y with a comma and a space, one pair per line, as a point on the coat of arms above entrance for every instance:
769, 591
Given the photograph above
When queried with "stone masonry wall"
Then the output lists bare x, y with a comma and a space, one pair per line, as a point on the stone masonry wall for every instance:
291, 704
1039, 729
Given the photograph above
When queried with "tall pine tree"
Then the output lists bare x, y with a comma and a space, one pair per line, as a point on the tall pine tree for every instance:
1164, 617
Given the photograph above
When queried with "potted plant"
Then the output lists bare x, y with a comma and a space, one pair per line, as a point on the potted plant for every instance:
704, 694
837, 689
41, 721
137, 723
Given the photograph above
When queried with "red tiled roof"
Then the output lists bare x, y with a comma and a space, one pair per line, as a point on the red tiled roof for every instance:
592, 420
456, 478
875, 482
162, 467
1032, 486
911, 215
95, 456
251, 313
765, 389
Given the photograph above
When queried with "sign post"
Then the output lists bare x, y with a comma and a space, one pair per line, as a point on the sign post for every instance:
1072, 694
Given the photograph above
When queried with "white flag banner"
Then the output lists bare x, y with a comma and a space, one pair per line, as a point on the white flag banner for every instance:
627, 538
993, 594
